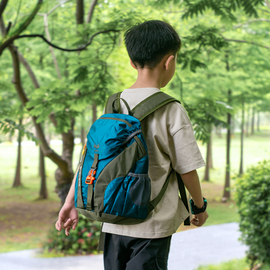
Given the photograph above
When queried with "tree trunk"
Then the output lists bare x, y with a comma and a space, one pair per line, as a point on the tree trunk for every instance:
80, 12
208, 158
3, 5
10, 136
232, 126
242, 139
17, 180
94, 110
91, 11
258, 121
211, 163
252, 121
64, 173
43, 194
227, 192
82, 130
63, 179
247, 123
218, 132
46, 25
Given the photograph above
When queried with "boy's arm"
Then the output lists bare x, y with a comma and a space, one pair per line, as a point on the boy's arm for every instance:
192, 183
68, 215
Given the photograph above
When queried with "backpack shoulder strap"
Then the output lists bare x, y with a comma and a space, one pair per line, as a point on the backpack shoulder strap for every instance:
110, 100
150, 104
183, 196
152, 204
142, 110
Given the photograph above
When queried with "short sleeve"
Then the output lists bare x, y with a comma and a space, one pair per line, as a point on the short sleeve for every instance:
183, 149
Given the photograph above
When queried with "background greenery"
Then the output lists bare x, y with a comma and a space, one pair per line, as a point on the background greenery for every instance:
222, 79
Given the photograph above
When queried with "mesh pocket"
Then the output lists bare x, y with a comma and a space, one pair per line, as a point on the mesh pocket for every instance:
128, 196
140, 189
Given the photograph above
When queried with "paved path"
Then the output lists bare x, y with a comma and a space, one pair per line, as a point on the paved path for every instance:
189, 249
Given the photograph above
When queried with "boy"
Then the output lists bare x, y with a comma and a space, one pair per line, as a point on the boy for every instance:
152, 47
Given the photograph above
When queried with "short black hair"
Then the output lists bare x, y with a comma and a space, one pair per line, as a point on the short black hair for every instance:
148, 42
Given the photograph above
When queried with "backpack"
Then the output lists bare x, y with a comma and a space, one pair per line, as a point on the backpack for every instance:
112, 183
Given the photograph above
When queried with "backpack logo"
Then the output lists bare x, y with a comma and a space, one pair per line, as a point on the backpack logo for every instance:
96, 147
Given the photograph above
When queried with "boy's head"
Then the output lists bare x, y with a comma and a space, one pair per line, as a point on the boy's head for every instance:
147, 43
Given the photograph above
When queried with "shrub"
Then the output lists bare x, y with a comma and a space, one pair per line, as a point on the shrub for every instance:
83, 240
253, 201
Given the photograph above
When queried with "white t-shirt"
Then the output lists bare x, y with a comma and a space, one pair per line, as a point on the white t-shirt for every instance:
171, 144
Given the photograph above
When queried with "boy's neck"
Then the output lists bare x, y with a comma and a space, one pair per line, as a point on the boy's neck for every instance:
158, 76
148, 78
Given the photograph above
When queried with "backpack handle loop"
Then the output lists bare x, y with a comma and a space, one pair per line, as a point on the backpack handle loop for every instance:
117, 110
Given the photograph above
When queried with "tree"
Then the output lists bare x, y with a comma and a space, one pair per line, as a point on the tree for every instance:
17, 180
64, 104
208, 160
43, 193
241, 167
226, 10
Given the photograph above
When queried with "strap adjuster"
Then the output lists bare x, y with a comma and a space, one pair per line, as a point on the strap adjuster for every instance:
90, 178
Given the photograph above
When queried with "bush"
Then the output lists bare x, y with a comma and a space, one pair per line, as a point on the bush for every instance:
253, 201
83, 240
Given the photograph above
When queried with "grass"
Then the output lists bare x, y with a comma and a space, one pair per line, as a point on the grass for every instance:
222, 213
232, 265
256, 148
25, 220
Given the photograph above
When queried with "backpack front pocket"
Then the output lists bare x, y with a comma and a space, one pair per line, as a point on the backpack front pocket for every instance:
128, 196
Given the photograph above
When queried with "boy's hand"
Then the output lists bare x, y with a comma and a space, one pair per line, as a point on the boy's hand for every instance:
199, 219
67, 218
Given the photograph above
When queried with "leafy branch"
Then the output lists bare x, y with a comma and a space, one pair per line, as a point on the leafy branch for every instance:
202, 38
54, 8
245, 41
8, 125
206, 112
222, 8
251, 21
60, 48
10, 37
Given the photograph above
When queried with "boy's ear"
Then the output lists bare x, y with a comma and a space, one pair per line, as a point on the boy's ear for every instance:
132, 64
168, 61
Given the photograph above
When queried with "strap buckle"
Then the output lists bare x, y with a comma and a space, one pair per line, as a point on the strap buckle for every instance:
90, 178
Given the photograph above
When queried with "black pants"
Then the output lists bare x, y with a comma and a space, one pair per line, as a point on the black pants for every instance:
129, 253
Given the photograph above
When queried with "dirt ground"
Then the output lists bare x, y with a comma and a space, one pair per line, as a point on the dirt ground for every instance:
26, 222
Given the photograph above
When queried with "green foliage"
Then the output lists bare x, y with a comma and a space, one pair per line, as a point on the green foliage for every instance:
54, 98
11, 111
206, 36
224, 9
83, 240
8, 125
201, 38
204, 113
253, 200
6, 93
22, 25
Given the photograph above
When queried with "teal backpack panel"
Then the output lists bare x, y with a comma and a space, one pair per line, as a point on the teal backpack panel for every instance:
108, 137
